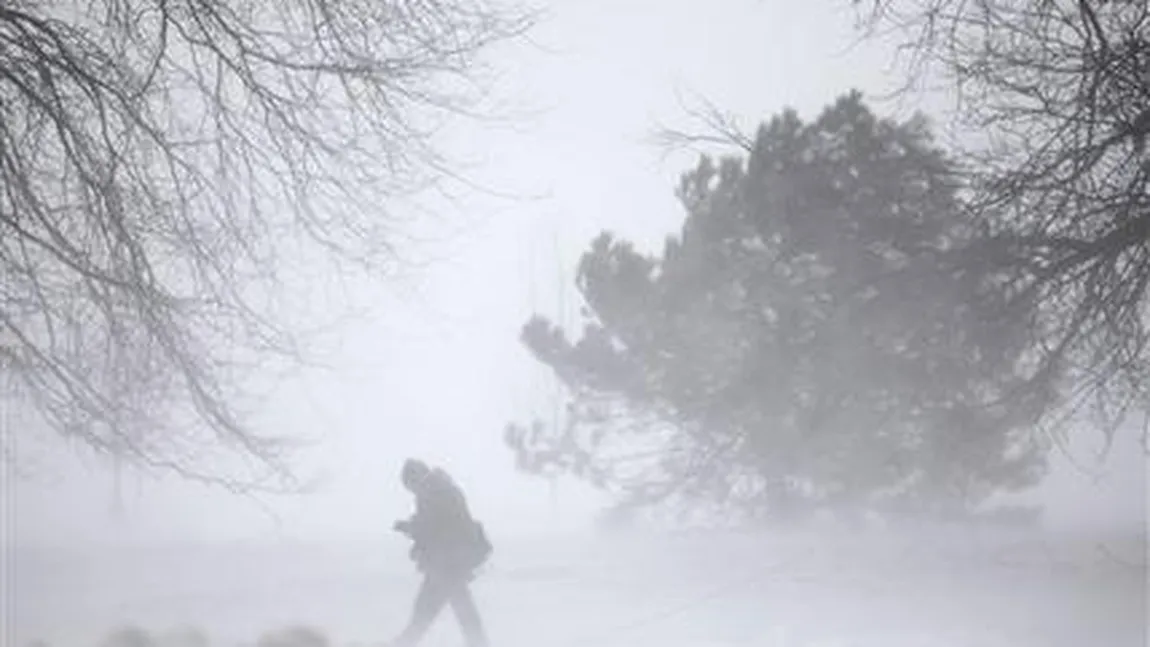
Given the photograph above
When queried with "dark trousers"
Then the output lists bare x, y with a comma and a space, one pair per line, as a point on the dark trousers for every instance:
436, 592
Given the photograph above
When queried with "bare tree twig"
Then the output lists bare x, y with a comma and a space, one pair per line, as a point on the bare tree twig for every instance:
159, 159
1061, 93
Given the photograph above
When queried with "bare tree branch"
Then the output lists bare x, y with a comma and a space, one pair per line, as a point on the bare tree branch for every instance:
1060, 91
160, 159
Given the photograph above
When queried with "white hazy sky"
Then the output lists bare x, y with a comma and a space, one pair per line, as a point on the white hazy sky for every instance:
438, 371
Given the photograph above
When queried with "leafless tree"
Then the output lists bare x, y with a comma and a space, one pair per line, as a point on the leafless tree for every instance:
163, 163
1060, 92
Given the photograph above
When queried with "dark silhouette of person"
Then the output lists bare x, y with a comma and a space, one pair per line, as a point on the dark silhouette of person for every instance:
448, 545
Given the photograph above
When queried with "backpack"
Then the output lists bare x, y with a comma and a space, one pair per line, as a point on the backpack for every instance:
480, 548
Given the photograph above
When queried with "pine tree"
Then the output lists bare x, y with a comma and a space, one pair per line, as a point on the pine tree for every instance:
804, 340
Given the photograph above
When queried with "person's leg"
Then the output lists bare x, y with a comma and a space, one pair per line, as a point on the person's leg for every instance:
432, 596
463, 604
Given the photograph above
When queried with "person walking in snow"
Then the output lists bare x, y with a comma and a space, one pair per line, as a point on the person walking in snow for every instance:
448, 546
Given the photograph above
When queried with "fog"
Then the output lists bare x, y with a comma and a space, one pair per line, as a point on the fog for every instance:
840, 587
435, 369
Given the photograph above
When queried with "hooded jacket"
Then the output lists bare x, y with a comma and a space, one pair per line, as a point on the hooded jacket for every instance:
444, 533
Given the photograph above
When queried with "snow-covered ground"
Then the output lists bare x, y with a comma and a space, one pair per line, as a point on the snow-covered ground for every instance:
841, 588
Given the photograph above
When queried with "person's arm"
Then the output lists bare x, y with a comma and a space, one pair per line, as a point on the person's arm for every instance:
440, 513
413, 525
